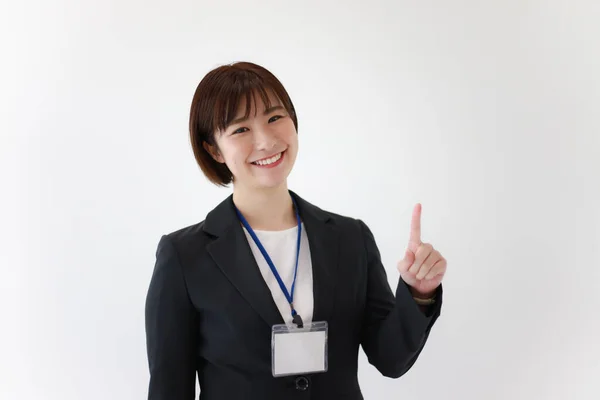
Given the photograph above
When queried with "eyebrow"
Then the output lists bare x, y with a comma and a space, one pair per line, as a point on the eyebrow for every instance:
267, 111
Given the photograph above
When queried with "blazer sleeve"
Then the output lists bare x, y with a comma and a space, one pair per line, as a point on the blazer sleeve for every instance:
394, 329
171, 329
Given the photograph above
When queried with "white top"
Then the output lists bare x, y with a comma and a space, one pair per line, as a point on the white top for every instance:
281, 247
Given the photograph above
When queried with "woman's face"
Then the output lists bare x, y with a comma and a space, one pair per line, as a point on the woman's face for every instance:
260, 151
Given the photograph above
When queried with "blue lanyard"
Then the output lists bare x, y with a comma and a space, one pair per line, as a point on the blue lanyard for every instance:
288, 295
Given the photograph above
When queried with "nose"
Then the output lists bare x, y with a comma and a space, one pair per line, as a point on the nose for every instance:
264, 139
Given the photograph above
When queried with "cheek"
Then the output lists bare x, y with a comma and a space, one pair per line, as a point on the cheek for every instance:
233, 161
293, 140
290, 136
235, 156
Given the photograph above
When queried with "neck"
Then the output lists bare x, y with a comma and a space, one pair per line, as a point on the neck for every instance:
266, 209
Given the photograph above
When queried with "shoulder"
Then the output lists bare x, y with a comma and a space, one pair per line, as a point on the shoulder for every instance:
185, 241
348, 226
355, 227
198, 234
187, 232
344, 222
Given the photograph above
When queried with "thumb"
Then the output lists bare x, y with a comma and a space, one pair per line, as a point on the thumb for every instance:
406, 262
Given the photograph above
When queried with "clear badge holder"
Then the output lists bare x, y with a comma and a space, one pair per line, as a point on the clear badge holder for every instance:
299, 350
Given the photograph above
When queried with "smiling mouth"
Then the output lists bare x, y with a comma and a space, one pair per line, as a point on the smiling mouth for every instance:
269, 161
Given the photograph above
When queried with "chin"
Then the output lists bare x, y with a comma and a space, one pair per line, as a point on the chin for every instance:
271, 184
271, 181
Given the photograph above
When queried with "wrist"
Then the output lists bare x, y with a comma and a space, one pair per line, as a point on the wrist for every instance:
420, 295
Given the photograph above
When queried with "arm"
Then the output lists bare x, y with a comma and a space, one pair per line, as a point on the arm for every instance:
394, 329
171, 329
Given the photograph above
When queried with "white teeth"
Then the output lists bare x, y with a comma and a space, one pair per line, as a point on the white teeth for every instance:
268, 160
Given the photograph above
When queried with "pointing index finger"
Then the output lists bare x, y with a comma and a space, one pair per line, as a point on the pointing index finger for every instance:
415, 225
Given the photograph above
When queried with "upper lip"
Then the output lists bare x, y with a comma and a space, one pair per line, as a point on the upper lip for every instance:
266, 158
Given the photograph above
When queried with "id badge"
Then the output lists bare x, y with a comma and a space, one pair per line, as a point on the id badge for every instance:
299, 350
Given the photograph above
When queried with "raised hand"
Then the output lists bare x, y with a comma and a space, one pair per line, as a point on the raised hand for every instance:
422, 267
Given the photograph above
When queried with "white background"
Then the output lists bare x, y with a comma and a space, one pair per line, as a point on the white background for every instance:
486, 112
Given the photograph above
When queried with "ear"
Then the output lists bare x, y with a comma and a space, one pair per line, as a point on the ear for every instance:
214, 152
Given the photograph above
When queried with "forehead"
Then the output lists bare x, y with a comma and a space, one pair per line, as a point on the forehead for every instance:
256, 102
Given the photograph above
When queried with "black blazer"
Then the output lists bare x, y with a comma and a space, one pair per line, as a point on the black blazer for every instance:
209, 312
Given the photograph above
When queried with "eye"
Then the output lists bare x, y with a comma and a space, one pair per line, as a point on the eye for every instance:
240, 130
275, 118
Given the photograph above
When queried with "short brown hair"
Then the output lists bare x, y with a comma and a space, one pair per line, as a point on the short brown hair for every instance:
216, 101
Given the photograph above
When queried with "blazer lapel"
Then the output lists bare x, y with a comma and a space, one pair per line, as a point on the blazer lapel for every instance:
231, 252
323, 239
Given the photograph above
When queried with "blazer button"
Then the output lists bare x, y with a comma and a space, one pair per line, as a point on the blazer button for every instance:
302, 383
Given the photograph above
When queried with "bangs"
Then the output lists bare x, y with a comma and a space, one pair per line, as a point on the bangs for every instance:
231, 94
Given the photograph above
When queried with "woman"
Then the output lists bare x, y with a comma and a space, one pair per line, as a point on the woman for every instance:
271, 297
